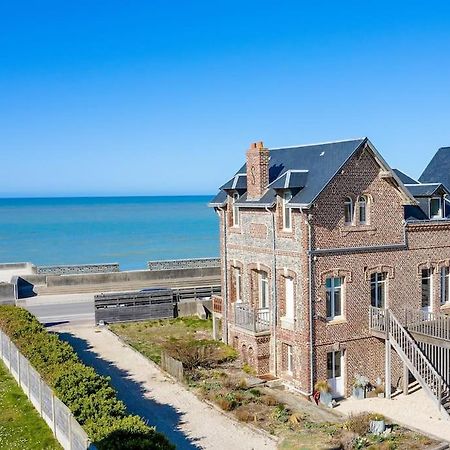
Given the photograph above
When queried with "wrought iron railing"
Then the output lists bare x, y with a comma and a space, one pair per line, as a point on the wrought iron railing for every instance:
255, 320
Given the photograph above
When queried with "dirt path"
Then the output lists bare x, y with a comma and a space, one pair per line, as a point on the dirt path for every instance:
188, 422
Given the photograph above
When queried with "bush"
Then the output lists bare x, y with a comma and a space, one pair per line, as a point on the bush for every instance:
358, 424
88, 395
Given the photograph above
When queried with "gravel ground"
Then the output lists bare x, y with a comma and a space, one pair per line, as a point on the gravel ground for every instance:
188, 422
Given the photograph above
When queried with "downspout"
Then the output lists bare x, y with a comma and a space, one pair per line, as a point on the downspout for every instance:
274, 292
311, 307
225, 271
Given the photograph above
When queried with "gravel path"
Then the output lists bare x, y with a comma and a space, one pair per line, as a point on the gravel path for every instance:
188, 422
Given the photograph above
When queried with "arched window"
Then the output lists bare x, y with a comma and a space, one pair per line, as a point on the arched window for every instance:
348, 210
362, 209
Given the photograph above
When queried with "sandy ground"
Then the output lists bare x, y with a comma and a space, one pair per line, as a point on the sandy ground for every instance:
188, 422
415, 411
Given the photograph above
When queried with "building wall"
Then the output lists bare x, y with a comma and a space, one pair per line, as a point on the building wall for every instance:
250, 247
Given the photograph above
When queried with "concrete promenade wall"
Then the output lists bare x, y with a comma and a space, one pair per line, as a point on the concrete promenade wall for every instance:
124, 277
173, 264
7, 293
78, 269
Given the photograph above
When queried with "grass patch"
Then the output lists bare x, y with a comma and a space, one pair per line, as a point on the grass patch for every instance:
150, 337
21, 427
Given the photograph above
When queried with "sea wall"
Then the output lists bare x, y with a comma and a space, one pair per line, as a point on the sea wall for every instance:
78, 269
184, 264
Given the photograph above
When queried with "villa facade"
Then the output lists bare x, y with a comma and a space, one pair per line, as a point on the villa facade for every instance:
324, 248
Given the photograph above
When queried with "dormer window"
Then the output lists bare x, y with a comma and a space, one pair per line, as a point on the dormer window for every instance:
235, 210
287, 213
348, 211
362, 209
436, 208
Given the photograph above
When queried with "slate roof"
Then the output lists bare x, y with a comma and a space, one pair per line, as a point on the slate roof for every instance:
426, 189
405, 179
438, 170
318, 164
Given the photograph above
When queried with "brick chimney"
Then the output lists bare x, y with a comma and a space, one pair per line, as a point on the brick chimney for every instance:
257, 170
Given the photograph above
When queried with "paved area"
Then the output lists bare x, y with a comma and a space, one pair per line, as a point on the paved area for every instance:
61, 308
188, 422
416, 411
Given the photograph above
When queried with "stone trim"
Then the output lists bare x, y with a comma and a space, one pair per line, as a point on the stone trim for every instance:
426, 265
335, 273
380, 268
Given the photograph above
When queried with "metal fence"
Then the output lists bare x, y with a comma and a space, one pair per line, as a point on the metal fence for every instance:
57, 415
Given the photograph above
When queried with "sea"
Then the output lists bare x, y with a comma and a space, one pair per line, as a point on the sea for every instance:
125, 230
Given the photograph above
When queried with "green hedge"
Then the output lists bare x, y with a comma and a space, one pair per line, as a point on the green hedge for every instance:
89, 396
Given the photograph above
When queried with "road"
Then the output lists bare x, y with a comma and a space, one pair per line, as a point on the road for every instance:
67, 308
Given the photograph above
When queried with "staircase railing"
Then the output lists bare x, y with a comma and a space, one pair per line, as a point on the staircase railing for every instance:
436, 325
383, 320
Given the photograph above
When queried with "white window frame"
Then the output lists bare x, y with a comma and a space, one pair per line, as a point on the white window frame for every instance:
445, 285
238, 281
289, 359
376, 282
348, 208
363, 202
289, 298
439, 215
263, 289
331, 291
287, 212
429, 277
235, 210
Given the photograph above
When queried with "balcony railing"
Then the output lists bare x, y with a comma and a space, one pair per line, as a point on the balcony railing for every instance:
377, 319
255, 320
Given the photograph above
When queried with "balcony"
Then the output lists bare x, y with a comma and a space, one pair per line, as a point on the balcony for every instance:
254, 320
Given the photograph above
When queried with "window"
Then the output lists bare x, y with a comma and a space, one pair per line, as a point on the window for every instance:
263, 290
287, 213
426, 288
435, 208
362, 209
235, 210
445, 291
348, 211
289, 359
334, 297
289, 292
378, 289
238, 284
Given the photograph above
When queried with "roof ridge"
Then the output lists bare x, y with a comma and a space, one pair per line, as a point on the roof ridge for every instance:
319, 143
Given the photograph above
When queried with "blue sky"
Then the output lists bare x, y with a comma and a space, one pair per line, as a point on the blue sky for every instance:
159, 97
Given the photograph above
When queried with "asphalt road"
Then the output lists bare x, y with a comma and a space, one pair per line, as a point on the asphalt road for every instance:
70, 308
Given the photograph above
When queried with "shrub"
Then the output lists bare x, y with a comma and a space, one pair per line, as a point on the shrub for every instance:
322, 386
247, 368
358, 424
281, 413
268, 400
88, 395
243, 414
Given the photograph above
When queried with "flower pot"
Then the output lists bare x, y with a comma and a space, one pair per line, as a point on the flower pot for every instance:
326, 399
358, 393
377, 426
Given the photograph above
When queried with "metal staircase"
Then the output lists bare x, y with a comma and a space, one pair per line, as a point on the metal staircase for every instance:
383, 323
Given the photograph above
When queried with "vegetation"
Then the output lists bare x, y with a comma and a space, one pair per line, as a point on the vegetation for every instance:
20, 425
89, 396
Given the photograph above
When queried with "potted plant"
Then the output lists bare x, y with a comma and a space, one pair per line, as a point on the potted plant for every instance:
379, 391
377, 424
360, 384
324, 389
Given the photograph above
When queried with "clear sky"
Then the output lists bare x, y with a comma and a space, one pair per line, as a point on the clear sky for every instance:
164, 97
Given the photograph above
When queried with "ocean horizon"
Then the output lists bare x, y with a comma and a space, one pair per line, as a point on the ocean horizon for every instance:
129, 230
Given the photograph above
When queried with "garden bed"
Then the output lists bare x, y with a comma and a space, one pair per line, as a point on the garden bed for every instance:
214, 373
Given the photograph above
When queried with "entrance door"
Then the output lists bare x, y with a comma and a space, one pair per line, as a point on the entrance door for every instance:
335, 373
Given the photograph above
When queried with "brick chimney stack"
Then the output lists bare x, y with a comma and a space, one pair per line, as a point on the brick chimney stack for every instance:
257, 170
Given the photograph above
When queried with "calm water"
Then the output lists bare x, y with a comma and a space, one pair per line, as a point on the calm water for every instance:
127, 230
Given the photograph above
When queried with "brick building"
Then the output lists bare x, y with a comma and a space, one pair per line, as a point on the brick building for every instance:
326, 251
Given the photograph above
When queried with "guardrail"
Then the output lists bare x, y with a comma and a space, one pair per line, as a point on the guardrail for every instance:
255, 320
56, 414
436, 325
77, 269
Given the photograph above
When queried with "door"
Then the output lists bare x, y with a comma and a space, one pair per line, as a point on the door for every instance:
335, 364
